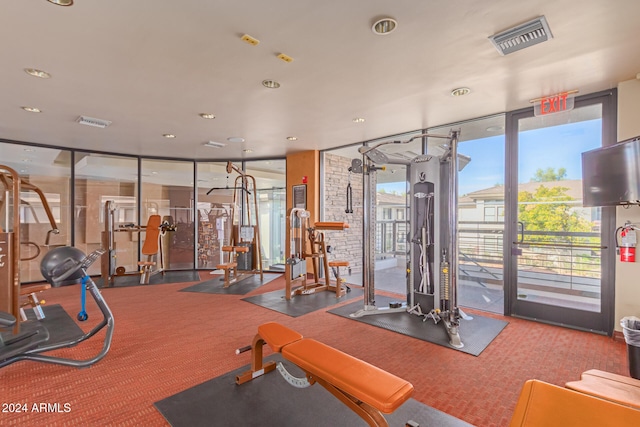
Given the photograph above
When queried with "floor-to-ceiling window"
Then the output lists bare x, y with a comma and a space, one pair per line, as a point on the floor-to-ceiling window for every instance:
45, 171
168, 191
481, 209
270, 176
213, 213
102, 179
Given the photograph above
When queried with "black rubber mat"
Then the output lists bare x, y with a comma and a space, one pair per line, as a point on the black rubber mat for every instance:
475, 334
270, 401
300, 304
156, 279
58, 322
215, 285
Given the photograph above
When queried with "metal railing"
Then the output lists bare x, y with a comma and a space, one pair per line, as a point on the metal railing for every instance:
574, 255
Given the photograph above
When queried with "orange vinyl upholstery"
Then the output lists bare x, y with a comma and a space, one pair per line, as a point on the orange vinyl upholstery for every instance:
330, 225
277, 335
608, 386
338, 263
351, 376
546, 405
372, 385
151, 241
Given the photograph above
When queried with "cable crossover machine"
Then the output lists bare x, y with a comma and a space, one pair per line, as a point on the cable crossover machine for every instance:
431, 286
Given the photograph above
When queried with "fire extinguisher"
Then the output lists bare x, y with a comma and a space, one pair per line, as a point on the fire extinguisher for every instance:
626, 242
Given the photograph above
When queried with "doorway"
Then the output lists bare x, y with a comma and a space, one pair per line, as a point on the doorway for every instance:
557, 249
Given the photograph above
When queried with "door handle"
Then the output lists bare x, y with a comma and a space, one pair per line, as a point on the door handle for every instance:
514, 249
521, 231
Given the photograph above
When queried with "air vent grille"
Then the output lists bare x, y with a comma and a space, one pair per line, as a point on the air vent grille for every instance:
90, 121
214, 144
522, 36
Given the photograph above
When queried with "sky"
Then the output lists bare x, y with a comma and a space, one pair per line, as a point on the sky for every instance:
551, 147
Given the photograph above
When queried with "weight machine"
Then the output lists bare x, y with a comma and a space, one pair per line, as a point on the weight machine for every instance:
244, 251
153, 248
10, 242
433, 209
303, 236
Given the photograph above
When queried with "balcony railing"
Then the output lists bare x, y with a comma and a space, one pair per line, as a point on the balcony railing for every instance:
565, 254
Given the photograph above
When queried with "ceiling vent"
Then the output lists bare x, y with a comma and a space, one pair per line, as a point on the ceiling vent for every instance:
522, 36
214, 144
90, 121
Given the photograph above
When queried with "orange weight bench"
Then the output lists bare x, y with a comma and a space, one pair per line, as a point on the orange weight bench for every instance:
546, 405
365, 389
608, 386
231, 268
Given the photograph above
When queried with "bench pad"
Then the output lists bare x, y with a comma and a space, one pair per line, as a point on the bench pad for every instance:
370, 384
543, 404
605, 385
277, 335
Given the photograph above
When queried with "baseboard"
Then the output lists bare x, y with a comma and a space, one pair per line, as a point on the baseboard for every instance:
618, 336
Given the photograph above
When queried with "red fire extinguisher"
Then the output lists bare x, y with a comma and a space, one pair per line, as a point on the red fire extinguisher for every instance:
626, 244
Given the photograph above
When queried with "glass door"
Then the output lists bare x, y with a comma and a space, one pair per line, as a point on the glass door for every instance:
557, 246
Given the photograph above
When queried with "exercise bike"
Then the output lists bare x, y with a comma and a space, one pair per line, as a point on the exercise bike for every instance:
60, 267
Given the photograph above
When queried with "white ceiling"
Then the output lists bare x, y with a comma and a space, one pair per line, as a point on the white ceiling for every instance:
152, 66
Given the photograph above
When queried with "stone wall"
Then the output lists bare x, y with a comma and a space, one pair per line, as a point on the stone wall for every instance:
346, 245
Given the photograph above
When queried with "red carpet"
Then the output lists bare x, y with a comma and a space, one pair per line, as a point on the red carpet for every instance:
166, 341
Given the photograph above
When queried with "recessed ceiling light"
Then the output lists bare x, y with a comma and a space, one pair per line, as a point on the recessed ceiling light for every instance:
461, 91
29, 150
37, 73
248, 150
32, 109
358, 120
384, 26
271, 84
235, 139
62, 2
207, 116
168, 135
292, 138
494, 128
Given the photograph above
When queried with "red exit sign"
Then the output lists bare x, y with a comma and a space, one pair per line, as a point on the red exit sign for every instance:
553, 104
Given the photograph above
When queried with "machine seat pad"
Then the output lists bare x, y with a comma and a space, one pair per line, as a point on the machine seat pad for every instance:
227, 266
277, 335
380, 389
241, 249
30, 289
338, 263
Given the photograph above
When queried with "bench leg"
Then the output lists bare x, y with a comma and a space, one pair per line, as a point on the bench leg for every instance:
371, 415
257, 367
227, 277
